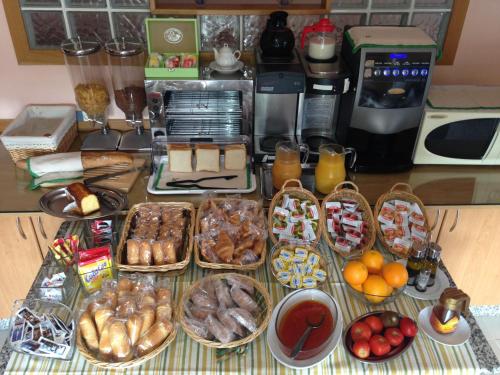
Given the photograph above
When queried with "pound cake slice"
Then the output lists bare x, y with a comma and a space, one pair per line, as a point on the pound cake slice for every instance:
86, 201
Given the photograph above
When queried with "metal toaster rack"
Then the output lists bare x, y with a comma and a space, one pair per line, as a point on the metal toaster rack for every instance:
203, 113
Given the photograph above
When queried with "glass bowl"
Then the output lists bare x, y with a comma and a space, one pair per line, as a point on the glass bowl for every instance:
367, 298
296, 298
290, 246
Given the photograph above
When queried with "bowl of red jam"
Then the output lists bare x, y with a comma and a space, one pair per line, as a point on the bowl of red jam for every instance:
299, 309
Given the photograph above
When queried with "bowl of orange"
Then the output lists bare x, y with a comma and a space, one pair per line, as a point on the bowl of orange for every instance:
373, 278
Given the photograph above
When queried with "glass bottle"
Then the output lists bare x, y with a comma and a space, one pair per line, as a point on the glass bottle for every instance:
445, 314
415, 263
423, 278
432, 259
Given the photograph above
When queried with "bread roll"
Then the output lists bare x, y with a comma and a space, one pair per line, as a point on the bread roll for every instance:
125, 284
126, 307
120, 342
163, 312
147, 299
134, 325
132, 252
89, 331
164, 294
111, 299
101, 317
104, 159
158, 257
105, 349
168, 248
148, 317
154, 337
86, 201
145, 253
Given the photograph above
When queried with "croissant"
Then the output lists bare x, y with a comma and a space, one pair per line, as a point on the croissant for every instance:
224, 247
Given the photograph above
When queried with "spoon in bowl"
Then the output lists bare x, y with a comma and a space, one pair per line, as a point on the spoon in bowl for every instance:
310, 327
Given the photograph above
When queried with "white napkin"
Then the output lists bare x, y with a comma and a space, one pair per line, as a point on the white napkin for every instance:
60, 162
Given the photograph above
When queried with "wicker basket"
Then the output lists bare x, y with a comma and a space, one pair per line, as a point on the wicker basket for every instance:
91, 358
172, 269
263, 300
296, 192
338, 193
221, 266
397, 193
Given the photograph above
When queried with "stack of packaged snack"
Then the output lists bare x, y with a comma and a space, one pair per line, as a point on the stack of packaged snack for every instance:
345, 224
126, 319
182, 60
64, 249
403, 224
94, 266
295, 219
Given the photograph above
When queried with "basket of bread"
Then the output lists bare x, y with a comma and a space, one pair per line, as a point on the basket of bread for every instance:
349, 228
401, 220
126, 323
295, 215
230, 234
225, 310
157, 237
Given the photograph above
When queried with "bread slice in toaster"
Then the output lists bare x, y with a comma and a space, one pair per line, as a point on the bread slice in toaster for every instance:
207, 158
179, 158
235, 157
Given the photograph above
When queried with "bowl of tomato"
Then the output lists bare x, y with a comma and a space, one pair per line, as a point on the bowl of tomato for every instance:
379, 336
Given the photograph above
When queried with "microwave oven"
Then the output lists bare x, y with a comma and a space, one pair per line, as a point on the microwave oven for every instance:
458, 136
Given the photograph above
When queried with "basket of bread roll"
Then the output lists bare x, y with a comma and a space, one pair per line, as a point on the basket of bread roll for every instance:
295, 215
401, 220
348, 226
225, 310
157, 237
126, 323
230, 234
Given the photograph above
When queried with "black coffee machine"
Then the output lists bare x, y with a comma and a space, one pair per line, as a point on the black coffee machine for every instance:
381, 113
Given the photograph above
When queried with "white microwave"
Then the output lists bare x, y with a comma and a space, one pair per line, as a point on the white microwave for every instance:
458, 136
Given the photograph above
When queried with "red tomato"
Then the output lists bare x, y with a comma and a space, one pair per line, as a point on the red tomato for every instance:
375, 323
408, 327
361, 349
394, 336
379, 345
360, 331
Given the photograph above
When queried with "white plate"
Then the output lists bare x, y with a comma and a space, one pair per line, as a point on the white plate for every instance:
274, 346
459, 337
226, 69
434, 292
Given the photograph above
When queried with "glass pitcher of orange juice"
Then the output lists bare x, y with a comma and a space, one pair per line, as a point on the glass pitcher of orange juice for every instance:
287, 162
331, 166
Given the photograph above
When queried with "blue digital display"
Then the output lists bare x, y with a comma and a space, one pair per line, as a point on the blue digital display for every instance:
398, 56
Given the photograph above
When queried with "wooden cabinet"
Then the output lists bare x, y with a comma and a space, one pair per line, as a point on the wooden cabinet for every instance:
46, 228
21, 259
239, 7
472, 250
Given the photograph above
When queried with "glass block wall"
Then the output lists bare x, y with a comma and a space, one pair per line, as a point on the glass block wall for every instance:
48, 22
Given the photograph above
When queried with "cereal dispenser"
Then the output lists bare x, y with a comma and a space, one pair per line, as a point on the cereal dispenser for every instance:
126, 63
84, 61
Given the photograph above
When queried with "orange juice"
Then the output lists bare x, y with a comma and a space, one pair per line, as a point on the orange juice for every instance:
331, 167
287, 163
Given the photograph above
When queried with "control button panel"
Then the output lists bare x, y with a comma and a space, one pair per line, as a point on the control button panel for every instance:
397, 67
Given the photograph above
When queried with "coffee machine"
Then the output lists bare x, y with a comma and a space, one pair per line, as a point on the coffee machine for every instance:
380, 116
279, 88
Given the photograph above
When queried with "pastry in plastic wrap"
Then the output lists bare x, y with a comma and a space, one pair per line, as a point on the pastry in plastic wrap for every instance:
244, 317
243, 300
219, 330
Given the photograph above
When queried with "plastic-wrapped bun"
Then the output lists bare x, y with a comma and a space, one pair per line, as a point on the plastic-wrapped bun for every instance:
105, 349
148, 317
101, 317
134, 325
154, 337
163, 312
158, 256
120, 342
145, 253
89, 331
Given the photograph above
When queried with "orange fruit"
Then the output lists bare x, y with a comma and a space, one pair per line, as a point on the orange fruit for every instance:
358, 287
376, 289
355, 273
373, 260
395, 274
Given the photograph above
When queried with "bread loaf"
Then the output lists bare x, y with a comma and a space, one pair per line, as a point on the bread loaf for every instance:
207, 158
86, 201
104, 159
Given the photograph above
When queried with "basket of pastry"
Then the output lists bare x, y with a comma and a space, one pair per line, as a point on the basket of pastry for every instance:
230, 234
126, 323
401, 220
348, 226
295, 215
157, 237
225, 310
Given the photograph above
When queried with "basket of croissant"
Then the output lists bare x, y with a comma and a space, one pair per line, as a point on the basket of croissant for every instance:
225, 310
126, 323
157, 237
230, 234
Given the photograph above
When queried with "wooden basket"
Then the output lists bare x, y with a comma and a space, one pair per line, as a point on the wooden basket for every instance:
172, 269
263, 300
221, 266
91, 358
338, 193
297, 192
396, 193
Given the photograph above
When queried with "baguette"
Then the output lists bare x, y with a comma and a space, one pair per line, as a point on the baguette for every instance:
95, 159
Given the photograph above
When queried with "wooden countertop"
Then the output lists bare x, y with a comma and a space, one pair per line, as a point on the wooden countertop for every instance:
435, 185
